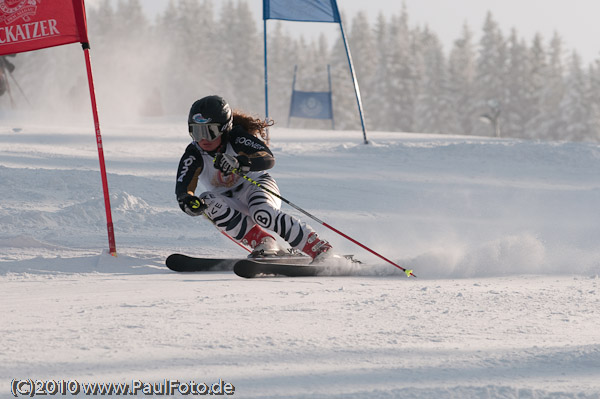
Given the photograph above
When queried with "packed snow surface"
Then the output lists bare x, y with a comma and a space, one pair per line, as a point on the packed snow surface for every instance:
503, 235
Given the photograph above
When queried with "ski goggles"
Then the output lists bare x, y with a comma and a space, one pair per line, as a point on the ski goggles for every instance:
205, 131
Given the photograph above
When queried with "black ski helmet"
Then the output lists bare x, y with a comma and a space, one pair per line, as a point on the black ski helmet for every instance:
211, 109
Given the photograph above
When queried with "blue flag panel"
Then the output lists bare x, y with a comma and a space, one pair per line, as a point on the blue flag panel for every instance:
301, 10
311, 104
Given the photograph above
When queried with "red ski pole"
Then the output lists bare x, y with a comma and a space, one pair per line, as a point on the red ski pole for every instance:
257, 184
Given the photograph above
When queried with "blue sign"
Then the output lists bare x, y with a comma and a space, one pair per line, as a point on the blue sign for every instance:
311, 104
301, 10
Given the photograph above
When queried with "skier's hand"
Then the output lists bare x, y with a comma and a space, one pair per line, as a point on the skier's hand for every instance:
244, 163
227, 163
192, 205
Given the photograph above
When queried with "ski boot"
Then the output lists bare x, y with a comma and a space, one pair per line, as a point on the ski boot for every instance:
317, 249
262, 243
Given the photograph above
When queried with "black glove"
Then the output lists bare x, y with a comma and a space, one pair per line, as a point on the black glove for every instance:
227, 163
192, 205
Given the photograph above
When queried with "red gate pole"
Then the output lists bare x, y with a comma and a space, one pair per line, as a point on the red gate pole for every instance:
112, 248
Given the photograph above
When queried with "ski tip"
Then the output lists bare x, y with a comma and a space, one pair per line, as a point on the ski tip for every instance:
245, 269
173, 257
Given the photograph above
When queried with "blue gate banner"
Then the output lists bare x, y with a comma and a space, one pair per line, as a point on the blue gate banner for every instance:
301, 10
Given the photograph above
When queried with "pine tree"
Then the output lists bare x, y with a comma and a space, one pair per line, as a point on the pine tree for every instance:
537, 79
575, 105
124, 78
491, 73
516, 107
364, 50
433, 109
551, 125
168, 72
404, 73
594, 76
239, 60
313, 75
377, 105
282, 57
344, 99
195, 60
461, 80
100, 21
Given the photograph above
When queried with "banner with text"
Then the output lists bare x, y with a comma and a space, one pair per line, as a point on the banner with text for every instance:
27, 25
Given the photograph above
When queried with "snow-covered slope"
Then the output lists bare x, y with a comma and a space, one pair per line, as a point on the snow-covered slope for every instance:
503, 235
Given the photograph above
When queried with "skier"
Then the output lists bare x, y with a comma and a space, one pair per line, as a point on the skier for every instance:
225, 144
5, 66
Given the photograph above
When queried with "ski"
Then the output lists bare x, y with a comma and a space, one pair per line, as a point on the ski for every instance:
292, 265
338, 266
249, 268
190, 264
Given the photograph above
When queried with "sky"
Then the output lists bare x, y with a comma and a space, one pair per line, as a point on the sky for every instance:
575, 20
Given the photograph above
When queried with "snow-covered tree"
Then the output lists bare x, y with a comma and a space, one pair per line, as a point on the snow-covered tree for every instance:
516, 106
491, 71
594, 76
536, 84
239, 59
461, 80
404, 71
282, 57
550, 125
344, 100
575, 105
364, 50
433, 109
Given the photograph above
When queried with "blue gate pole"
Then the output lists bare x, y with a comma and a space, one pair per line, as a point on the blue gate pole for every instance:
356, 89
266, 80
292, 99
330, 97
